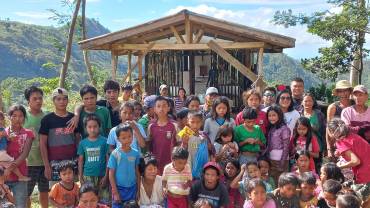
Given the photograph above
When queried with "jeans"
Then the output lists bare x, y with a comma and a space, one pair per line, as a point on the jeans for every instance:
19, 189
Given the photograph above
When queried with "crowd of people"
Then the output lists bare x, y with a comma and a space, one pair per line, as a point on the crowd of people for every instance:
131, 149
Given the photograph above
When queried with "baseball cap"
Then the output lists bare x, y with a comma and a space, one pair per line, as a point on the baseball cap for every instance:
163, 86
59, 91
213, 165
211, 90
360, 88
149, 101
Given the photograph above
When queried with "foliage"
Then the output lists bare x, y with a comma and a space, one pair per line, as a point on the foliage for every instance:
323, 92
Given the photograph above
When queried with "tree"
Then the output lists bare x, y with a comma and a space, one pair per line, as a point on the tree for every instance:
346, 31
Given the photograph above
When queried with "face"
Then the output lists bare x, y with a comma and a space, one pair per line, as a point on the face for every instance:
231, 170
138, 110
254, 171
303, 163
126, 114
17, 118
89, 100
112, 95
161, 108
227, 138
273, 117
297, 89
343, 93
125, 137
60, 102
179, 164
264, 167
330, 198
211, 97
164, 92
151, 172
66, 175
269, 98
126, 94
360, 98
211, 178
36, 100
254, 101
92, 128
288, 191
258, 196
195, 123
182, 122
302, 130
307, 102
285, 100
182, 93
323, 176
88, 200
221, 110
249, 123
307, 190
194, 105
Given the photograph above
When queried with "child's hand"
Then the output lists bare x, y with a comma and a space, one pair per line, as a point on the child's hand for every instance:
186, 185
116, 197
244, 167
250, 140
165, 192
336, 153
103, 182
185, 139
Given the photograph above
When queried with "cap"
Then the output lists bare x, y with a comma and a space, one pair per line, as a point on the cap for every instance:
211, 90
341, 85
149, 101
214, 165
360, 88
126, 86
163, 86
59, 91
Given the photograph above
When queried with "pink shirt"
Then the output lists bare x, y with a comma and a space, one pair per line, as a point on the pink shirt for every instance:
356, 120
301, 145
361, 149
260, 121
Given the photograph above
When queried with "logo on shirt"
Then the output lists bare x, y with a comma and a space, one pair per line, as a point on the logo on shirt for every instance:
93, 154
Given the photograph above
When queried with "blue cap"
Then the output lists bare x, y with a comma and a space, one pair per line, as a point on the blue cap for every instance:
149, 101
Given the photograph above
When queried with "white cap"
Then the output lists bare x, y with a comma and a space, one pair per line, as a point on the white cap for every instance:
211, 90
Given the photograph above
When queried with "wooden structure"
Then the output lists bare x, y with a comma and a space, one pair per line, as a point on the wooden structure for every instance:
170, 46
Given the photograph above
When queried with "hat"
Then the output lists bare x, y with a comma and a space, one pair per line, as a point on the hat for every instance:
341, 85
214, 165
211, 90
360, 88
149, 101
163, 86
59, 91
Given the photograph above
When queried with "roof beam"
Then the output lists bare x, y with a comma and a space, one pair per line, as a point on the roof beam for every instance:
188, 30
179, 37
198, 36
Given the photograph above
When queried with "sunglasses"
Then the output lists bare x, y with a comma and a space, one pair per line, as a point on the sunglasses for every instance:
285, 98
269, 95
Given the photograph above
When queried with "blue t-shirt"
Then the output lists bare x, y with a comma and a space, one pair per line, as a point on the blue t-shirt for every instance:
94, 153
124, 163
112, 138
3, 141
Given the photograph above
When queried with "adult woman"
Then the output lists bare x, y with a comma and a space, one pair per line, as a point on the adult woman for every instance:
284, 100
180, 99
150, 184
18, 147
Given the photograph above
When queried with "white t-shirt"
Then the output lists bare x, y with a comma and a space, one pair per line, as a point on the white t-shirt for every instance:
157, 194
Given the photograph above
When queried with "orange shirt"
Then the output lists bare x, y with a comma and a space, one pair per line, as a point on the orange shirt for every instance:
63, 196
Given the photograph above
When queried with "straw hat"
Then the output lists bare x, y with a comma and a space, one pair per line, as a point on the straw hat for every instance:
342, 85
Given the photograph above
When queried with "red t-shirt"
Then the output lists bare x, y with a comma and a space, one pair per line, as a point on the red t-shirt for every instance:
361, 149
301, 145
15, 148
260, 121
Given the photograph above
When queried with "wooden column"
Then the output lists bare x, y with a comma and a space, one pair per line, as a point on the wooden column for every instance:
129, 55
114, 62
259, 84
140, 67
192, 72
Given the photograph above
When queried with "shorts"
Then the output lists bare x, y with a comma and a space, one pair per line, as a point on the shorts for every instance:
126, 194
177, 202
104, 194
54, 164
36, 173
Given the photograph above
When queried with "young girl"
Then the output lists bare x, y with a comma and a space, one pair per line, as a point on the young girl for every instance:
232, 169
221, 117
277, 141
304, 139
264, 166
256, 190
225, 147
303, 164
88, 197
180, 99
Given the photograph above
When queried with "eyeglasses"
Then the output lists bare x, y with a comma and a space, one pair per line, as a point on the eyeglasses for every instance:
285, 98
269, 95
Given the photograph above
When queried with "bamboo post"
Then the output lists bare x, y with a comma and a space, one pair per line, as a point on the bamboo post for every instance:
259, 85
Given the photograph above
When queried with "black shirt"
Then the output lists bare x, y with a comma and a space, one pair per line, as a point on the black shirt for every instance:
114, 113
217, 197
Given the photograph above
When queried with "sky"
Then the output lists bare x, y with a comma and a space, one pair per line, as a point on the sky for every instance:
119, 14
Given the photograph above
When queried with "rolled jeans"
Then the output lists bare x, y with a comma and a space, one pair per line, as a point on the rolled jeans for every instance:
19, 189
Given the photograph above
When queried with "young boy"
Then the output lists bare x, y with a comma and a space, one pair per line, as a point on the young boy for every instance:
182, 117
307, 196
93, 156
111, 90
285, 194
330, 190
162, 133
249, 137
64, 193
89, 95
176, 179
149, 103
210, 187
193, 142
123, 167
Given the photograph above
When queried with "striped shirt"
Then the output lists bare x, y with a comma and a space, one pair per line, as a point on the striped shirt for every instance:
176, 180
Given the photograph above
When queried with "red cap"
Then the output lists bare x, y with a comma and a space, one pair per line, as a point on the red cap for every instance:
214, 165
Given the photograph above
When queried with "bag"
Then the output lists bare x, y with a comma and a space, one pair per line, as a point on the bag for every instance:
201, 158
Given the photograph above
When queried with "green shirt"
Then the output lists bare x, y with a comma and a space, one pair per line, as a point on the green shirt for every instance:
144, 121
33, 123
105, 123
241, 134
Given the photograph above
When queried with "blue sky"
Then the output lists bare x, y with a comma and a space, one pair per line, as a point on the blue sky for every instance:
119, 14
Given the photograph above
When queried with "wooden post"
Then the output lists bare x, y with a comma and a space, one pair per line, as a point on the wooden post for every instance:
114, 61
192, 72
188, 30
259, 85
129, 55
140, 67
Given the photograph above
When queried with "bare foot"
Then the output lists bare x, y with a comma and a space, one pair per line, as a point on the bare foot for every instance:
24, 178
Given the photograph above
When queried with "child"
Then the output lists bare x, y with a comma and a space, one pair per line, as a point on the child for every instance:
285, 194
162, 133
225, 147
330, 190
176, 179
249, 137
220, 118
256, 190
123, 168
264, 166
355, 150
192, 102
4, 157
303, 164
210, 187
232, 169
93, 156
304, 139
149, 115
307, 197
182, 117
65, 192
347, 201
200, 148
6, 196
88, 197
138, 110
278, 141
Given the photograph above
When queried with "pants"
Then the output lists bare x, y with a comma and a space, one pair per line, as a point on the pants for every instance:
19, 189
177, 202
126, 194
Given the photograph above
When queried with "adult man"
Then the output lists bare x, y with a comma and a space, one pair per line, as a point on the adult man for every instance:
297, 88
211, 95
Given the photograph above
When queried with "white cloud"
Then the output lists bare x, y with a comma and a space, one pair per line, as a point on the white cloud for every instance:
266, 2
33, 14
